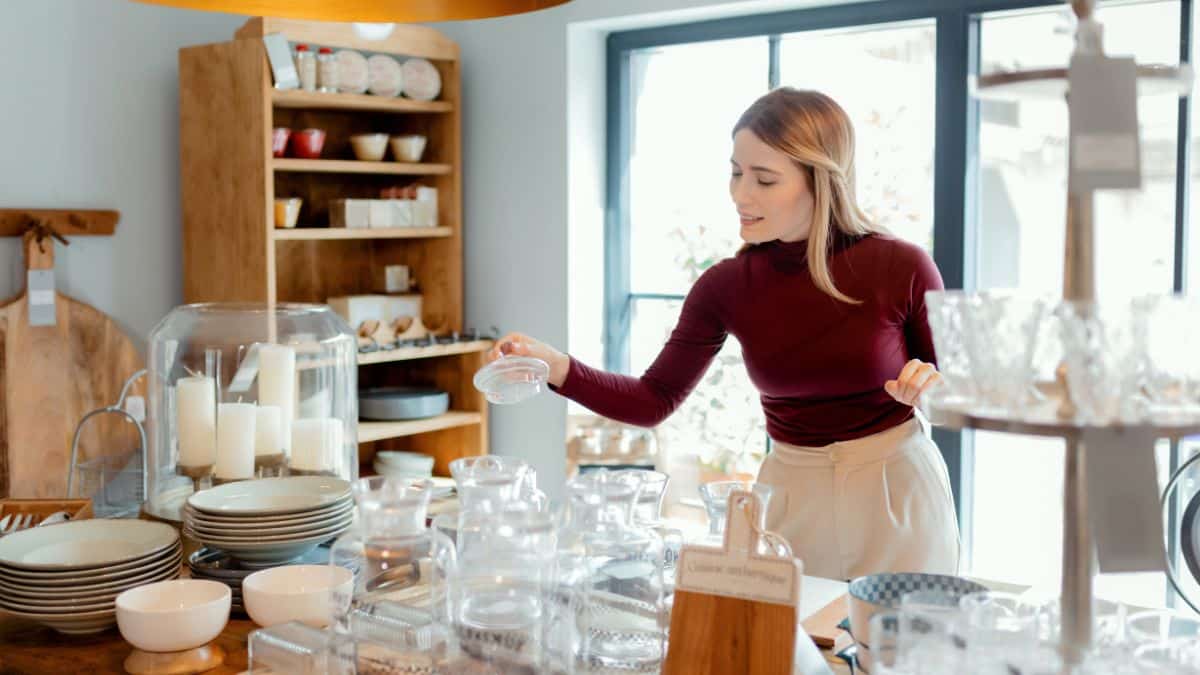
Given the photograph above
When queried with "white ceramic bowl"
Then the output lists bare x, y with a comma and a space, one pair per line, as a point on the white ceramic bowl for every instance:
296, 593
172, 616
408, 148
369, 147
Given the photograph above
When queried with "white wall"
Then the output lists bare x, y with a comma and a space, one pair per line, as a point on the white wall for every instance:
89, 119
533, 132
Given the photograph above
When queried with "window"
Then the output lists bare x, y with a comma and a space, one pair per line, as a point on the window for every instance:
925, 150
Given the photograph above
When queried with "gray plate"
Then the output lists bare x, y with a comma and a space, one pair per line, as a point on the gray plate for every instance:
402, 403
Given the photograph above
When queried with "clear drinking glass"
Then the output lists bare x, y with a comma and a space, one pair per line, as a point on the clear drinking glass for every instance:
1167, 327
1161, 625
1102, 360
1001, 632
716, 502
1167, 657
930, 633
947, 321
485, 483
1002, 333
885, 644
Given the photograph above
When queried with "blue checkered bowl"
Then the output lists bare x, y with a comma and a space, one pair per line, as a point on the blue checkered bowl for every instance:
881, 592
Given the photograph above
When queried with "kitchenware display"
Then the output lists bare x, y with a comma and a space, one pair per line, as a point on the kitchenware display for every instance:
369, 147
401, 464
269, 521
217, 565
308, 143
43, 341
408, 148
287, 211
422, 81
311, 594
352, 72
242, 389
512, 379
384, 76
279, 140
402, 403
172, 616
68, 576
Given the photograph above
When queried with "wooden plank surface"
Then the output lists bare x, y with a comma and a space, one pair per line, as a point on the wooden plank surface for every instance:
359, 166
315, 100
406, 38
378, 431
67, 222
326, 233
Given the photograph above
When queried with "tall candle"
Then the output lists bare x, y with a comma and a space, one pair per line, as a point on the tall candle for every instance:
268, 434
196, 411
277, 384
235, 440
316, 444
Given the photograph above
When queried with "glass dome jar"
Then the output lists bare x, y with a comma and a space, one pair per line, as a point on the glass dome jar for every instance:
238, 391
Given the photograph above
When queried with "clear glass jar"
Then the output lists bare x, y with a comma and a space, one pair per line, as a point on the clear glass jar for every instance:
306, 68
611, 578
327, 70
243, 390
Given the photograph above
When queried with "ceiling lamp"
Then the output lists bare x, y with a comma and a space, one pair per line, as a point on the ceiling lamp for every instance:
372, 11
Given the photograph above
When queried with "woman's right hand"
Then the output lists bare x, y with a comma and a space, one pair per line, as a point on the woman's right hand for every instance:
518, 344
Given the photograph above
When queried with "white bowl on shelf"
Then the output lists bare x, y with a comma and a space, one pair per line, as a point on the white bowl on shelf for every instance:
172, 616
369, 147
296, 593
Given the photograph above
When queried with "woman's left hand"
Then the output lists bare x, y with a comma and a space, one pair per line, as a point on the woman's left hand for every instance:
914, 379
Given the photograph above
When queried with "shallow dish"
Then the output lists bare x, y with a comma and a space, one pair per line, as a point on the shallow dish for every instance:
84, 544
270, 535
35, 594
270, 496
208, 520
172, 616
87, 575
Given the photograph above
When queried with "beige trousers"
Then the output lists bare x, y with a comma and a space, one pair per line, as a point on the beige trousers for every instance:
881, 503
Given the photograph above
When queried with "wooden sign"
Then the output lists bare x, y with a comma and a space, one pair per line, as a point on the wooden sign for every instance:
735, 609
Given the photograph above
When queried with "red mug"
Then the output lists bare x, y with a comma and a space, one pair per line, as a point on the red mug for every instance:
279, 139
307, 144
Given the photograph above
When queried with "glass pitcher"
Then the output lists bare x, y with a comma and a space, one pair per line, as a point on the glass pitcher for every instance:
385, 547
611, 577
487, 482
491, 585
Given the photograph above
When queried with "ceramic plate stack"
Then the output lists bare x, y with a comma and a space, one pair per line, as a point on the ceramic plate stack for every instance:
270, 521
67, 576
219, 566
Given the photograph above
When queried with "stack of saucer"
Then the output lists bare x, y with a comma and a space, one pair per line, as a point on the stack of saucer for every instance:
270, 521
67, 576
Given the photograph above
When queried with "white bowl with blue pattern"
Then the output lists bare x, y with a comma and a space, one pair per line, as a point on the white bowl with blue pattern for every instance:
881, 592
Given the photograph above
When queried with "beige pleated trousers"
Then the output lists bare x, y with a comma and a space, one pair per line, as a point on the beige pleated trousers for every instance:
881, 503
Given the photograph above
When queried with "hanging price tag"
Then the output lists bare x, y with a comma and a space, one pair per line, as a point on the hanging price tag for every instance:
1123, 507
39, 289
1104, 146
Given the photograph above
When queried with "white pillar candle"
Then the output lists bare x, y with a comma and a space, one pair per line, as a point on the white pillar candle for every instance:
316, 444
277, 384
196, 416
235, 440
268, 434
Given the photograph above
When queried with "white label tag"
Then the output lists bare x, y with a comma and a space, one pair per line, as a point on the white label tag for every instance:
1123, 506
136, 407
41, 297
39, 293
717, 572
1104, 144
1105, 152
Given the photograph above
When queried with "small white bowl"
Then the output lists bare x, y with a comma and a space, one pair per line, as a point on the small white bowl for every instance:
304, 593
408, 148
171, 616
369, 147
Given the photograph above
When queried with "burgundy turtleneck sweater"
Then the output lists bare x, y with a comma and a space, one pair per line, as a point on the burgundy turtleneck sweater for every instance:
819, 364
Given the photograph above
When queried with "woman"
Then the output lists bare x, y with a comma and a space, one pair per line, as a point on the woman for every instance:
830, 313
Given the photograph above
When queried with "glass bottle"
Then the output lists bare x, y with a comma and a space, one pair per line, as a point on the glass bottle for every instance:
306, 68
327, 70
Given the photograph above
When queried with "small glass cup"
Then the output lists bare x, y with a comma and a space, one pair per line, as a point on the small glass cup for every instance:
1160, 626
1001, 631
716, 503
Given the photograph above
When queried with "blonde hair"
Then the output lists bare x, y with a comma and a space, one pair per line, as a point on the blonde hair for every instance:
817, 134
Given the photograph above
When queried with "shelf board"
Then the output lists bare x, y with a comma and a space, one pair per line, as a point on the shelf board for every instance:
311, 233
410, 353
314, 100
357, 166
379, 431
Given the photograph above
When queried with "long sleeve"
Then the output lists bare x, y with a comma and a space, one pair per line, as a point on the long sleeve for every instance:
651, 398
917, 335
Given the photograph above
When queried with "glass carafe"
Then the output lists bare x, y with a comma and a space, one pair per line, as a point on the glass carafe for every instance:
491, 585
485, 483
611, 578
385, 547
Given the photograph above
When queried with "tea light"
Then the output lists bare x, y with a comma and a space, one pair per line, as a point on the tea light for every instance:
196, 408
235, 441
316, 444
277, 385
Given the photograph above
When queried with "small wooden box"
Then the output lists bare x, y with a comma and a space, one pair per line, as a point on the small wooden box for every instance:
79, 509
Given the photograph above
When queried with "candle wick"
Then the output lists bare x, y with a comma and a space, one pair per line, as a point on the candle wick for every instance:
191, 372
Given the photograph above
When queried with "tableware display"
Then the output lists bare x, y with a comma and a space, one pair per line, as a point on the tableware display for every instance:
408, 148
308, 143
384, 76
369, 147
304, 593
352, 72
422, 81
171, 616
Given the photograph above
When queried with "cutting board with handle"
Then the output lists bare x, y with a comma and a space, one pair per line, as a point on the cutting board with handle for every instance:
51, 375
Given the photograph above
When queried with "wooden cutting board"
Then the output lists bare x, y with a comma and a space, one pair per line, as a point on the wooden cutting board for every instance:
50, 377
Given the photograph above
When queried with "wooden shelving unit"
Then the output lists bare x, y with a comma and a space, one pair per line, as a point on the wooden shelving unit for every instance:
232, 252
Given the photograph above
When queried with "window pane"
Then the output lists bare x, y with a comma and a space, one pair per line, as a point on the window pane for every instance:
686, 99
884, 77
1022, 201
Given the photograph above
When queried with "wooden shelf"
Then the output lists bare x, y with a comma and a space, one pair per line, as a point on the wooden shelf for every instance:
357, 166
311, 233
379, 431
295, 98
409, 353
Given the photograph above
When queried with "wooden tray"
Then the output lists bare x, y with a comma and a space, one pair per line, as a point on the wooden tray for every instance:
79, 509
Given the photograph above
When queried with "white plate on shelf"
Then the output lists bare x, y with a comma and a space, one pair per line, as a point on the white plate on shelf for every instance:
384, 76
269, 534
97, 575
337, 510
422, 81
12, 589
270, 496
352, 71
329, 531
85, 544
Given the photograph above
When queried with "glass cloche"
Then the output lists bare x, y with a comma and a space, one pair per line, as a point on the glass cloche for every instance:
239, 391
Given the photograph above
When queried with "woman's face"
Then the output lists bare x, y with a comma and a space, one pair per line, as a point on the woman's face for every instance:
770, 191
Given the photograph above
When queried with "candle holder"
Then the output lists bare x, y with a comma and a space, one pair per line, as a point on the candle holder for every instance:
239, 391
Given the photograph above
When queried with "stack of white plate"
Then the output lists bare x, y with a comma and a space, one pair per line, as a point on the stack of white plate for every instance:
67, 576
270, 521
401, 464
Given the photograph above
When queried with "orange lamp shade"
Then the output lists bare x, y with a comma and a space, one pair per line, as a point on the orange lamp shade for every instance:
394, 11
